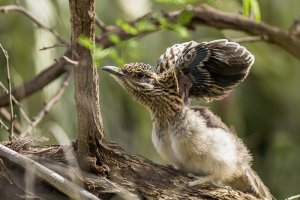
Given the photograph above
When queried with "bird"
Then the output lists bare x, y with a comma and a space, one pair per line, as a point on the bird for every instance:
189, 137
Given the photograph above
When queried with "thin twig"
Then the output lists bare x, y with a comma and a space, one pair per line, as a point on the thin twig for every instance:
38, 118
246, 39
70, 61
22, 10
7, 117
53, 46
293, 197
100, 24
17, 103
54, 179
3, 125
11, 128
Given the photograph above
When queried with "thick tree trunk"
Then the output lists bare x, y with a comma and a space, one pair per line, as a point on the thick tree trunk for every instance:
90, 128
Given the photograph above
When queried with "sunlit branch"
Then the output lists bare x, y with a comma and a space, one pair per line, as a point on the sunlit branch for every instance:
59, 182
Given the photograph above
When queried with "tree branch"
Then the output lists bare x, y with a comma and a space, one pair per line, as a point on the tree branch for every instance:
209, 16
7, 117
222, 20
202, 15
60, 183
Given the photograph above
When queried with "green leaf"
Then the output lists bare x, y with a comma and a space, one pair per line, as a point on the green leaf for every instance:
251, 8
114, 39
246, 7
256, 10
126, 27
163, 22
185, 17
177, 26
101, 53
86, 42
145, 25
180, 30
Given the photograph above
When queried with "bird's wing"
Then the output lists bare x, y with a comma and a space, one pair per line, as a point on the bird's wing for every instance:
170, 57
209, 69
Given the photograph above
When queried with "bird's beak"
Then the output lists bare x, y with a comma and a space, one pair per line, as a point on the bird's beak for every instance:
113, 70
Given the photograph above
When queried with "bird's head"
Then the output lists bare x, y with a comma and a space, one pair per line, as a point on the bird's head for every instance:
136, 78
146, 86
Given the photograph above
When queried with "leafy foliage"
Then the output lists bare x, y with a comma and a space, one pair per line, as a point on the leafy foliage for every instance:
127, 46
251, 8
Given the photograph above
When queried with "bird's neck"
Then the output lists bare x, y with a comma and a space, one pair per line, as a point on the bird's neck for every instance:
165, 107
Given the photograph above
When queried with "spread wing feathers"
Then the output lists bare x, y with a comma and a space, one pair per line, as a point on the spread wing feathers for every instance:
209, 69
171, 56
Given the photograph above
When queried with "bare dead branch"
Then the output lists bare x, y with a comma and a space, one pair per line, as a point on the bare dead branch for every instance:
246, 39
22, 10
47, 106
11, 108
17, 103
7, 117
3, 125
293, 197
54, 179
70, 61
100, 24
53, 46
6, 128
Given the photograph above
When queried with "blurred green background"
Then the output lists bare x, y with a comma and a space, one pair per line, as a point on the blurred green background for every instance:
264, 109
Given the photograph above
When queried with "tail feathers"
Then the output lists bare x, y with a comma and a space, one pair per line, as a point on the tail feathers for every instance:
256, 186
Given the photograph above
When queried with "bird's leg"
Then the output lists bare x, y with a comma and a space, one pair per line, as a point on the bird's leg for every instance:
202, 179
206, 179
185, 86
186, 92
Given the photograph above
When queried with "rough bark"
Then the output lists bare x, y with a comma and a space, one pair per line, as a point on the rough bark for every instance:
90, 128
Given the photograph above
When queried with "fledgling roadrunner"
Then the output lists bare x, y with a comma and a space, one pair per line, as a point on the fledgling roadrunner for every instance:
191, 138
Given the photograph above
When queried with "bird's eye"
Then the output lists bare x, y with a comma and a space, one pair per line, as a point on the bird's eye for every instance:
140, 75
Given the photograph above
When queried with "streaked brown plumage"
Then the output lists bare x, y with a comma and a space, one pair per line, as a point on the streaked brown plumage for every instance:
193, 139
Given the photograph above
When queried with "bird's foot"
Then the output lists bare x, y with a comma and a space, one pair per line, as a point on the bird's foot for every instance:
206, 179
201, 180
220, 184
